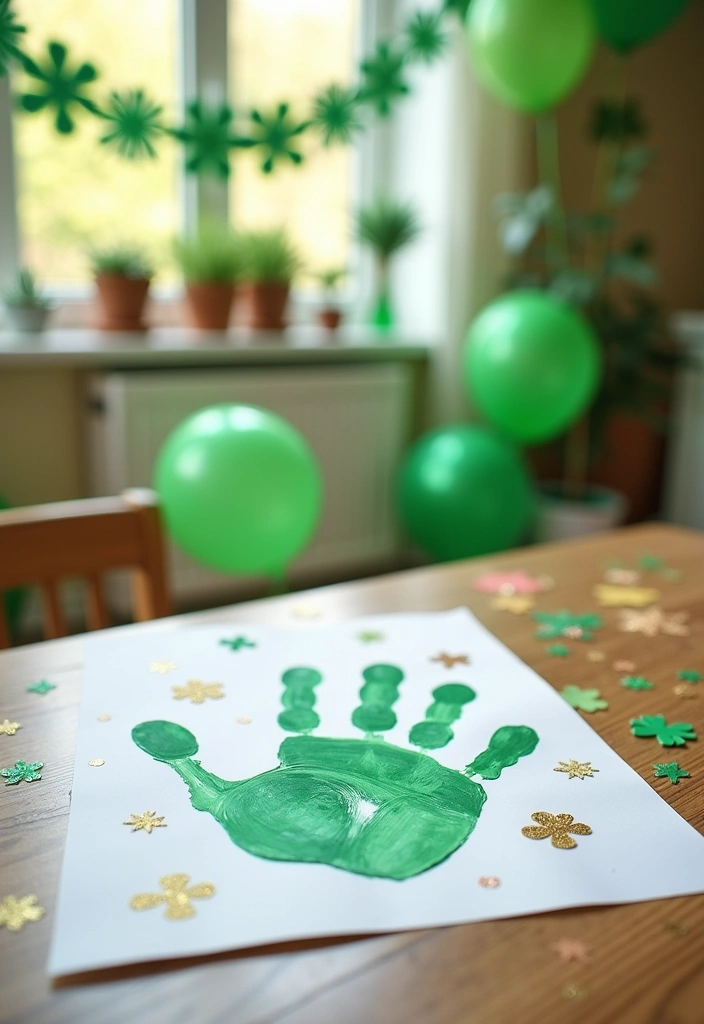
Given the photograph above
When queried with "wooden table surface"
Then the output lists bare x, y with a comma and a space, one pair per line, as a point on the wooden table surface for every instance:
647, 959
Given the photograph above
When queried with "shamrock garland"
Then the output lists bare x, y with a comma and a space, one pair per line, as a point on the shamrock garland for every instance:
209, 134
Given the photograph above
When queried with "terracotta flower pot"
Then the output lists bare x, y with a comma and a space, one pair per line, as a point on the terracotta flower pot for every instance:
209, 304
330, 318
121, 302
267, 305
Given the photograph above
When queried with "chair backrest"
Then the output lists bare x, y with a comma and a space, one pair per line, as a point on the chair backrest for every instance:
43, 544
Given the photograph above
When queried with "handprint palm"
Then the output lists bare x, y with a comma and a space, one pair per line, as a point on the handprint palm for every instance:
363, 805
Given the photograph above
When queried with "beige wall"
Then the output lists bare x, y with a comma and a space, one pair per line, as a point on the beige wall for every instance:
667, 75
39, 436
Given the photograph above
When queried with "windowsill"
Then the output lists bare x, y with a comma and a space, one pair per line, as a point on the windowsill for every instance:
86, 348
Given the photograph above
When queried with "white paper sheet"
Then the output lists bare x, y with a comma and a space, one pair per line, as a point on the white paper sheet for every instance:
636, 841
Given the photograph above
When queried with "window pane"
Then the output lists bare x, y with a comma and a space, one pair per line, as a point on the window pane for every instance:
73, 192
287, 50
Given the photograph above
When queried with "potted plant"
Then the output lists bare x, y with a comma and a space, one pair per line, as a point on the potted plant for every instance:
211, 263
270, 262
585, 258
330, 314
386, 226
122, 277
25, 308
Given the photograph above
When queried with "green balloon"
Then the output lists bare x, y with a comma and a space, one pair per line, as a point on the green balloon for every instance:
463, 491
531, 365
625, 24
530, 53
240, 489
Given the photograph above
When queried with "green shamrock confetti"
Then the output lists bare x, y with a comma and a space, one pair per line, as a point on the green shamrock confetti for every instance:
21, 771
426, 39
671, 771
274, 133
335, 114
135, 121
689, 676
636, 683
558, 651
370, 636
10, 30
237, 643
383, 79
208, 136
63, 87
653, 563
674, 735
565, 624
41, 687
584, 700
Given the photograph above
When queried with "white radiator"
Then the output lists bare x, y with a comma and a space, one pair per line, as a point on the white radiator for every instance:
356, 419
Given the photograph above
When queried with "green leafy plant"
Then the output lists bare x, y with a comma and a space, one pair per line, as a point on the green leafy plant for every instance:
269, 256
213, 255
387, 226
122, 260
330, 280
23, 292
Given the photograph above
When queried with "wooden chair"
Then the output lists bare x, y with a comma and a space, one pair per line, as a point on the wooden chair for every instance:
43, 544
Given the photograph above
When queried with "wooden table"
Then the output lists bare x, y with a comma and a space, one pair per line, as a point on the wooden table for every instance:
647, 960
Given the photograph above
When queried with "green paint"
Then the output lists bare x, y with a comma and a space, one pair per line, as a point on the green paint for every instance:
298, 700
378, 695
363, 806
435, 731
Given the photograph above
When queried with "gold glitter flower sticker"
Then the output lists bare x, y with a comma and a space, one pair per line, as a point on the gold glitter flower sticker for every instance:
177, 896
557, 827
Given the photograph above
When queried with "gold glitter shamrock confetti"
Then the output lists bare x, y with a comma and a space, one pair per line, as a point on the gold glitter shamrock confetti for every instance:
674, 735
104, 718
370, 636
244, 720
625, 597
162, 667
652, 621
671, 771
558, 827
573, 990
576, 769
636, 683
21, 771
145, 822
596, 656
8, 728
450, 660
684, 691
572, 951
41, 687
489, 882
177, 896
16, 912
198, 692
517, 605
584, 700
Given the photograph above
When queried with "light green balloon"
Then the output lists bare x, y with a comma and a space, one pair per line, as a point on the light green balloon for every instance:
530, 53
531, 365
464, 491
239, 488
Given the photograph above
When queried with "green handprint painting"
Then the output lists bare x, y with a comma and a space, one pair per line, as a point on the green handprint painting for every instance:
362, 805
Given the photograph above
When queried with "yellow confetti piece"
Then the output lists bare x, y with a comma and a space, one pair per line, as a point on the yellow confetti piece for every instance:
517, 604
177, 896
557, 827
653, 621
574, 991
162, 667
8, 728
243, 720
576, 769
625, 597
596, 655
96, 762
489, 882
306, 611
624, 666
15, 911
450, 660
146, 822
684, 691
104, 718
622, 577
198, 692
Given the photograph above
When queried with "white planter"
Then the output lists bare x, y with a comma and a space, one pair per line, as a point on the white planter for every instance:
26, 318
560, 519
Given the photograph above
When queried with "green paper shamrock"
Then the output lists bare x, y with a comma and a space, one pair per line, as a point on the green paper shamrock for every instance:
21, 771
652, 563
207, 134
274, 132
584, 700
565, 624
41, 687
674, 735
10, 29
135, 122
335, 114
617, 121
558, 651
671, 771
383, 79
63, 87
636, 683
689, 676
426, 40
237, 643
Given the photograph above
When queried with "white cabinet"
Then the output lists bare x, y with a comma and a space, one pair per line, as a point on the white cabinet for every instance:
684, 486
